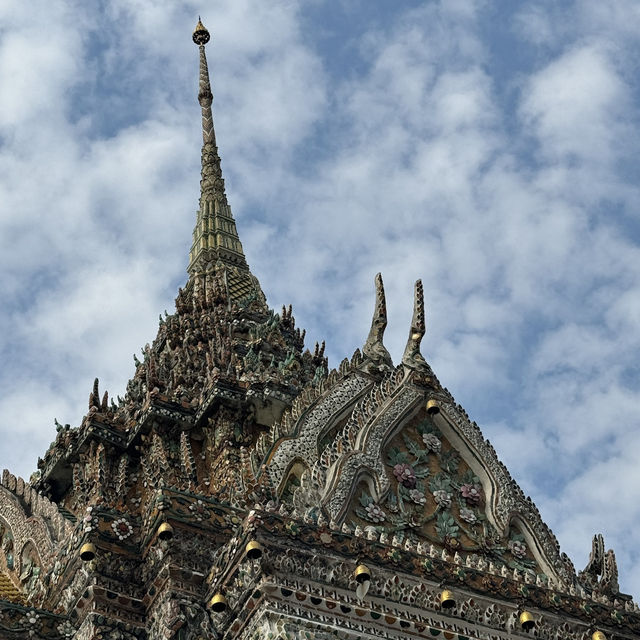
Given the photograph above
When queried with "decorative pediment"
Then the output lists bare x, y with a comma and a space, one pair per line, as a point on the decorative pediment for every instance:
388, 451
433, 495
393, 468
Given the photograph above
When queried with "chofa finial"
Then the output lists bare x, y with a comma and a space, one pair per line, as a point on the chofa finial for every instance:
412, 357
601, 573
376, 355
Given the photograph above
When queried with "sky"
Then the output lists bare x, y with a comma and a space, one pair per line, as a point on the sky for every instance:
489, 148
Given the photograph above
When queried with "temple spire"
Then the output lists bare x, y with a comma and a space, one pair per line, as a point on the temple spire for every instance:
215, 238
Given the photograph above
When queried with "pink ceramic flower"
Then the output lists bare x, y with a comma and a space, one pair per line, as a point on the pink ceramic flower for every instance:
405, 474
519, 549
471, 493
468, 516
443, 498
431, 442
375, 513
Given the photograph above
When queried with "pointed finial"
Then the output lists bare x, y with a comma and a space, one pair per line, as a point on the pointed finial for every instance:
412, 357
200, 34
376, 355
205, 97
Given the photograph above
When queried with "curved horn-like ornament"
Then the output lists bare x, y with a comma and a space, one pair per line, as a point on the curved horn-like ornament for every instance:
412, 358
374, 351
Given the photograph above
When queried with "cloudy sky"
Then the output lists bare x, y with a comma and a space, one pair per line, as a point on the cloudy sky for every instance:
489, 148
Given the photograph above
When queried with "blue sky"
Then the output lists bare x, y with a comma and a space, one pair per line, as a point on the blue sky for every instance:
489, 148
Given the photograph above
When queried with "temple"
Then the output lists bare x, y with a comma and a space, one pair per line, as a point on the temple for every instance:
241, 490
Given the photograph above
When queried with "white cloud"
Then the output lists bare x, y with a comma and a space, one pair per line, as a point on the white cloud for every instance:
575, 105
39, 60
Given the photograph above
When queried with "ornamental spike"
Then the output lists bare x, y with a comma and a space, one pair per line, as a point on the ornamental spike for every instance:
412, 358
376, 355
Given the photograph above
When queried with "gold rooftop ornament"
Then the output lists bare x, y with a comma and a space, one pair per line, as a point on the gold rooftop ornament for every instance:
87, 552
433, 408
218, 603
165, 531
447, 599
253, 550
527, 621
200, 34
362, 573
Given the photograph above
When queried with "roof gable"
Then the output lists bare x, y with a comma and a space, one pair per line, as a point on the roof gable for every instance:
390, 452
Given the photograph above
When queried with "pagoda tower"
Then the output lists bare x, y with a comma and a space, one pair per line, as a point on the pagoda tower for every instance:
241, 490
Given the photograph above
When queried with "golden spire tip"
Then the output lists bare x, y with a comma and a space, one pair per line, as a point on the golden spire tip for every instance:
200, 34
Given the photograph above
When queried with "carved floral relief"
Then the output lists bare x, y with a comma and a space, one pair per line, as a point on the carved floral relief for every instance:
435, 496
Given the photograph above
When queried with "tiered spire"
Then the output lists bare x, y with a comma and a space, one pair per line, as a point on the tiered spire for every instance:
215, 238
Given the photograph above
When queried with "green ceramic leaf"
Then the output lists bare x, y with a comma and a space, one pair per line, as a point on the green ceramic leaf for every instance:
449, 461
365, 499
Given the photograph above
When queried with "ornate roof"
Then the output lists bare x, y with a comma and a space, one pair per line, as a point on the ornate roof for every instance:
231, 432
